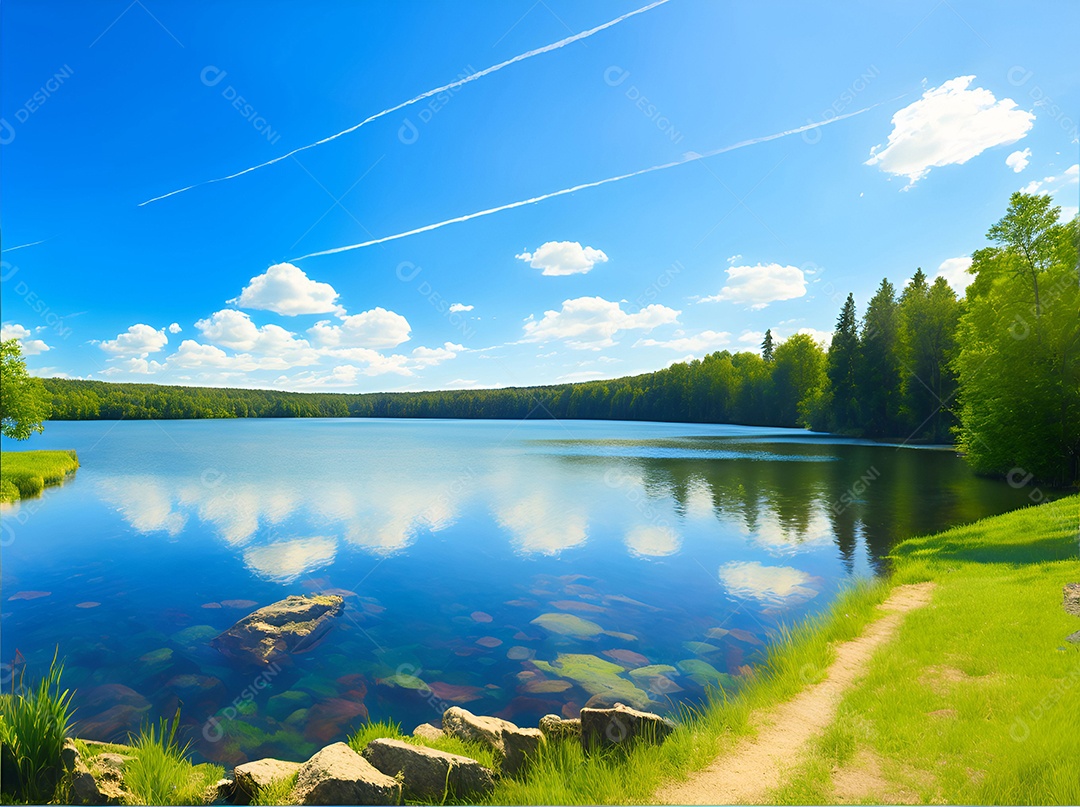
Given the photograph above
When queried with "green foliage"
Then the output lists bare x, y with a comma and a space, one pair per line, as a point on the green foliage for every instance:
1019, 348
841, 412
374, 731
33, 724
24, 404
161, 772
24, 474
878, 367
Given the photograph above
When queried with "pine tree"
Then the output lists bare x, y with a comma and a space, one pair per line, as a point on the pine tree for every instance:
767, 346
843, 406
879, 369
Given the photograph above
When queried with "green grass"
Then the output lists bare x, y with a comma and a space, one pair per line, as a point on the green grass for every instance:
33, 724
451, 745
161, 772
977, 699
24, 474
277, 792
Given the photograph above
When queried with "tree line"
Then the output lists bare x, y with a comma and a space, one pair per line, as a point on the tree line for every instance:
998, 371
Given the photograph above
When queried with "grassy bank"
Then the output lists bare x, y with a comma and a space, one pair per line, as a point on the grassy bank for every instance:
976, 700
24, 474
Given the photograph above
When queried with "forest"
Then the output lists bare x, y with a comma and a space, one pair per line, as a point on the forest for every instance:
997, 371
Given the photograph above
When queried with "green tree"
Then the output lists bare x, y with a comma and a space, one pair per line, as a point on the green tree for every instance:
798, 378
767, 347
878, 365
842, 405
24, 403
1019, 348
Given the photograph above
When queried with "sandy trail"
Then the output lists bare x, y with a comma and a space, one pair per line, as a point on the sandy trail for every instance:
756, 765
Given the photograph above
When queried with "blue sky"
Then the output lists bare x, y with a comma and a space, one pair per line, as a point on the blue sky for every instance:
106, 105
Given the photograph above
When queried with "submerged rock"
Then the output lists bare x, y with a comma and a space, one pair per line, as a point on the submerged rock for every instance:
289, 626
339, 775
607, 728
430, 775
514, 745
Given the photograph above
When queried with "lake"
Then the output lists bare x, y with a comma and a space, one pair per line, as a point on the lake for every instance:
513, 568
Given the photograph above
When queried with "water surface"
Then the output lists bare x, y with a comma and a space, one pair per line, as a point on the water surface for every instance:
513, 568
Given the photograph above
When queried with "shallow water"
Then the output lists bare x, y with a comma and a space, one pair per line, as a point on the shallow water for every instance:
475, 557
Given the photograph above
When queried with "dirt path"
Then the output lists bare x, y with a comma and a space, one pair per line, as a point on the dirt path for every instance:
757, 764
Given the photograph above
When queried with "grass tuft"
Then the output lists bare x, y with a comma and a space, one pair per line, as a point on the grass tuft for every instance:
33, 725
161, 772
25, 474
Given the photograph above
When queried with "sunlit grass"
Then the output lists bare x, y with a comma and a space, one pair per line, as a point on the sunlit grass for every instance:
976, 701
161, 772
24, 474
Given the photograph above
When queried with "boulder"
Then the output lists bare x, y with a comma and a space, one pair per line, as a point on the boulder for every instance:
219, 792
607, 728
426, 731
1073, 637
339, 775
1072, 599
288, 626
251, 777
559, 728
69, 754
513, 745
430, 775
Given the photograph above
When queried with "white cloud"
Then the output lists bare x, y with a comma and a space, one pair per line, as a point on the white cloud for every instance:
235, 330
775, 585
285, 289
954, 270
563, 258
705, 341
949, 125
751, 337
580, 375
1059, 186
1018, 160
757, 286
138, 340
592, 322
431, 356
30, 347
377, 328
458, 307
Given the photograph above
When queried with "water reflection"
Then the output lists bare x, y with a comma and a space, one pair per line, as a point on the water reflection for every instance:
793, 498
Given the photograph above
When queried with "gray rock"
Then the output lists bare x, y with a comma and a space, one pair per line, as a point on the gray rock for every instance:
514, 746
339, 775
251, 777
288, 626
1073, 637
1072, 598
558, 728
69, 754
430, 775
607, 728
426, 731
219, 792
84, 788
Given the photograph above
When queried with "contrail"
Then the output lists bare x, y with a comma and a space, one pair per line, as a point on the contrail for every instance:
452, 85
24, 246
687, 158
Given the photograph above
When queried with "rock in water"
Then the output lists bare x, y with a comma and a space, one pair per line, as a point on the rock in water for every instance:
513, 745
288, 626
1072, 599
339, 775
251, 777
607, 728
430, 775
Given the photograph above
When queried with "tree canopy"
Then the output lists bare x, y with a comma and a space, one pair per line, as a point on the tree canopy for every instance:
24, 402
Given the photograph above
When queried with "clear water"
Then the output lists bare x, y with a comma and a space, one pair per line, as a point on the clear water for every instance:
679, 545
